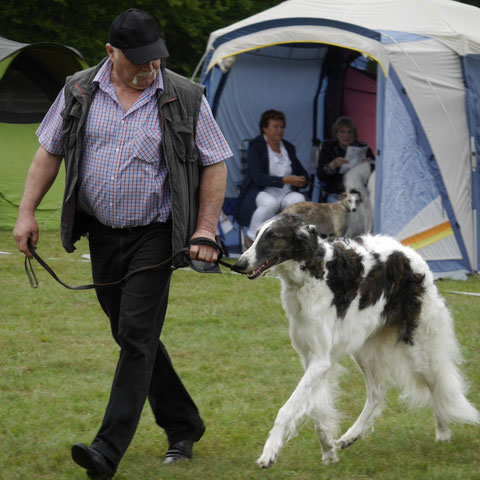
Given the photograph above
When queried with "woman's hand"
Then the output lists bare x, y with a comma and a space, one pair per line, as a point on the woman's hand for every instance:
337, 163
295, 180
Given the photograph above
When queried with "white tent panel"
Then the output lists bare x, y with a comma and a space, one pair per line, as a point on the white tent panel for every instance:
442, 249
433, 80
431, 234
452, 23
306, 34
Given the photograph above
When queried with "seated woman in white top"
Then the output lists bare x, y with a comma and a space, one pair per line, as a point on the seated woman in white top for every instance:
274, 175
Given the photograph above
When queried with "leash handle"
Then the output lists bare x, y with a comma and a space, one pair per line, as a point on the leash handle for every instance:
34, 281
211, 243
32, 278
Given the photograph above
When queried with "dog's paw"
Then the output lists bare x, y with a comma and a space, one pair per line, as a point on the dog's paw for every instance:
329, 457
346, 441
266, 461
443, 436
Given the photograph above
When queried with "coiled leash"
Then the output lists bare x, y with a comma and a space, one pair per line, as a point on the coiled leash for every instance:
34, 281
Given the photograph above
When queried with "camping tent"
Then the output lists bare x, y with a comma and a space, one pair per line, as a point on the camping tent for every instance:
409, 73
31, 75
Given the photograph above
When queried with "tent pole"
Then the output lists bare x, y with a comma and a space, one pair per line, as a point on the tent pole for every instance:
197, 68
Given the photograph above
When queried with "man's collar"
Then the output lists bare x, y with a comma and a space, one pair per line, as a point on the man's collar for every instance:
103, 78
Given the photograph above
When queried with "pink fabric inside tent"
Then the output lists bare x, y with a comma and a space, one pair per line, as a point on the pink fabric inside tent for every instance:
360, 103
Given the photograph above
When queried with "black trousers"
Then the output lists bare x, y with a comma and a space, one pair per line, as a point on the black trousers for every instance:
136, 310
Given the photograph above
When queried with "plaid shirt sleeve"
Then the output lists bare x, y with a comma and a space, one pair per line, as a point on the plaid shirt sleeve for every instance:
50, 130
211, 143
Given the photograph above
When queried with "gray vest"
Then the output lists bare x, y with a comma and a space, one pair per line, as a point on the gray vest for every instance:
178, 108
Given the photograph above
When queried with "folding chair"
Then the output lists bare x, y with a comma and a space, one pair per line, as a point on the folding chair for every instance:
242, 150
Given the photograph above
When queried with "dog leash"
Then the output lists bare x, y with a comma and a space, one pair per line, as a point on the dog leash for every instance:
34, 281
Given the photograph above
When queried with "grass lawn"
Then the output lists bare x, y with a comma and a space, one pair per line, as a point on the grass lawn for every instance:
228, 338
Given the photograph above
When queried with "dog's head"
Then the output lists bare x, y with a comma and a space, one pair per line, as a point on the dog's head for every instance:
351, 200
284, 237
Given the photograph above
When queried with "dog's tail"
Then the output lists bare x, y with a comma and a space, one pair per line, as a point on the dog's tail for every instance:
450, 403
449, 387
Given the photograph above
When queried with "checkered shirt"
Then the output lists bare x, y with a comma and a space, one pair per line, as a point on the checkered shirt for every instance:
122, 175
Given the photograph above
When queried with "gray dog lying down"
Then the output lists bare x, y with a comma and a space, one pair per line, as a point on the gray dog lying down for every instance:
329, 218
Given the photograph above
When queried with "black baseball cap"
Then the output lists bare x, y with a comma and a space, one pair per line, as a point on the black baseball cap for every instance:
137, 34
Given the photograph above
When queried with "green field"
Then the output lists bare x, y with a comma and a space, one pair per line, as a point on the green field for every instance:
228, 338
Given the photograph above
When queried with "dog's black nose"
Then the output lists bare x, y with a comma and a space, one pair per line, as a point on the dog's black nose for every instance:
240, 266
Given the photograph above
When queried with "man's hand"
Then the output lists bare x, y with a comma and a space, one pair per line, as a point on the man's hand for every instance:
25, 229
204, 253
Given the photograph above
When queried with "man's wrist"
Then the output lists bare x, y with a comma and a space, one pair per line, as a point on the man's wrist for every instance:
204, 232
26, 210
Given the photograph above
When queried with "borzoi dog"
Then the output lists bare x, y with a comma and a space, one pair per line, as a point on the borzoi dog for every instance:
329, 218
371, 298
356, 181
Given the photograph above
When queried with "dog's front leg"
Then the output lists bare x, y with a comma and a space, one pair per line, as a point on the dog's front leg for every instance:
301, 402
374, 374
326, 418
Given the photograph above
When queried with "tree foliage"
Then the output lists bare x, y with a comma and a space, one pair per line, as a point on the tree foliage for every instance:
186, 24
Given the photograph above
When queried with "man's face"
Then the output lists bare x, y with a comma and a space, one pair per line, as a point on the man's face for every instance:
137, 77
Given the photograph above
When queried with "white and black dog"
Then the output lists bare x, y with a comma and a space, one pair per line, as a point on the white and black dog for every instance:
371, 298
356, 181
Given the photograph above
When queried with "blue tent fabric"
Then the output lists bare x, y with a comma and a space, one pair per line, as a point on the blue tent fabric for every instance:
471, 69
289, 82
407, 186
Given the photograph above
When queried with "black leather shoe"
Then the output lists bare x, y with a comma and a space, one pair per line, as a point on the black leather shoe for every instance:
96, 465
183, 450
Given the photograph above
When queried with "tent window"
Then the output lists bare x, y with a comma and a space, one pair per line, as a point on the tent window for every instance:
26, 92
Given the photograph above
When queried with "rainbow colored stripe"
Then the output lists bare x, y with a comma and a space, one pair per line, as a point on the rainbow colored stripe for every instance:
427, 237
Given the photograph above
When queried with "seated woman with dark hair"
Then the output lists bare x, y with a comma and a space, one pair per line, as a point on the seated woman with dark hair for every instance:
274, 175
332, 157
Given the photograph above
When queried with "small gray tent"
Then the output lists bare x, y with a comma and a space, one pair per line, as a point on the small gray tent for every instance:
31, 75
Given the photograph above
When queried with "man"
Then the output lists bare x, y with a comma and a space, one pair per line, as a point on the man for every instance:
145, 173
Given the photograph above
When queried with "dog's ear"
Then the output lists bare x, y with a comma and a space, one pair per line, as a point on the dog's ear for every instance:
307, 237
304, 231
342, 196
353, 190
313, 231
